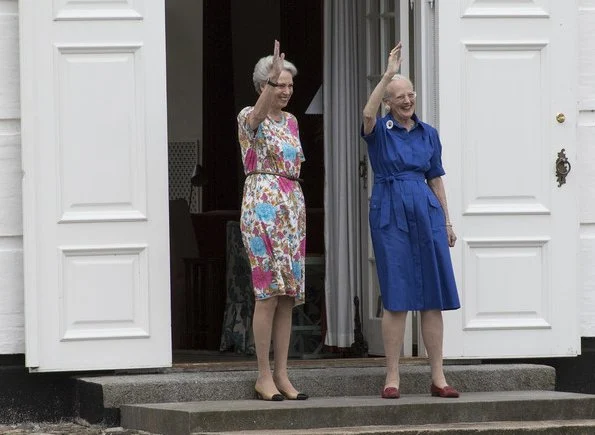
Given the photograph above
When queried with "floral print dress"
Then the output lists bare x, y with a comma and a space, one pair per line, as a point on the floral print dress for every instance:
273, 220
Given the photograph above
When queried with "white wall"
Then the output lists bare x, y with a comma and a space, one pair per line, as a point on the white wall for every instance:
585, 163
11, 230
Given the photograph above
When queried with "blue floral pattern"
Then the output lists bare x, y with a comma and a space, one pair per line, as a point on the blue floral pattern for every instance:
265, 212
257, 246
289, 152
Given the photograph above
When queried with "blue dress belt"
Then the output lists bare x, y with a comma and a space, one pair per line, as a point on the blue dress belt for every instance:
394, 198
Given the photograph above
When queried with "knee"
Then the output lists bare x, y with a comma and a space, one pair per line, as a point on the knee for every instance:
394, 314
266, 306
431, 315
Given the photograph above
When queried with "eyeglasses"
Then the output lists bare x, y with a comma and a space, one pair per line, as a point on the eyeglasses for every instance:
401, 98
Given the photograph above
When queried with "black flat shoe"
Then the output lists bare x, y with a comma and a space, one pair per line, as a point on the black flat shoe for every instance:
298, 396
274, 398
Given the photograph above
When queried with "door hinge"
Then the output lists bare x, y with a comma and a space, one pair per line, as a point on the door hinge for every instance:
411, 4
363, 170
431, 3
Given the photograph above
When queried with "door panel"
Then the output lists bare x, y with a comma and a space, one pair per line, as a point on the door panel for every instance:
95, 184
505, 70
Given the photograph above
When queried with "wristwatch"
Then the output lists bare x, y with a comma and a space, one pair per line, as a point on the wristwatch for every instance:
272, 83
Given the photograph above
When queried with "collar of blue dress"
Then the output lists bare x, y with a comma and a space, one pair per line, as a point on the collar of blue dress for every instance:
394, 123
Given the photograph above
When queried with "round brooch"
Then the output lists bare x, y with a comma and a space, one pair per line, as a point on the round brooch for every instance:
389, 124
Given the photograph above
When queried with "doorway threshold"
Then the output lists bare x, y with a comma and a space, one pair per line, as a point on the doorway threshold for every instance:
220, 361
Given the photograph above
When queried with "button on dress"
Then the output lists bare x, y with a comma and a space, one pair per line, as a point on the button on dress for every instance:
407, 223
273, 217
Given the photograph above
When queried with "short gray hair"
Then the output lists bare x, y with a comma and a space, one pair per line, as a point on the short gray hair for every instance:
263, 67
396, 77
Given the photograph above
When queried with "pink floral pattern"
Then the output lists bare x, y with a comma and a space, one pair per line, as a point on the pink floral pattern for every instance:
286, 185
273, 220
261, 278
293, 126
250, 160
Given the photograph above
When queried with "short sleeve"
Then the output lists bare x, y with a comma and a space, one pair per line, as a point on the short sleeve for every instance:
246, 135
294, 130
436, 169
371, 137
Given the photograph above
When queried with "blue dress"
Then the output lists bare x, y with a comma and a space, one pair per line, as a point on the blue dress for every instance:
407, 222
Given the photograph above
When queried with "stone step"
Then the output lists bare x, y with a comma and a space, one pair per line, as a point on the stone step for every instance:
100, 397
566, 427
317, 413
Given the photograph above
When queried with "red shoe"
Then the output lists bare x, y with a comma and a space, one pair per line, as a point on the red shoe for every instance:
447, 391
391, 393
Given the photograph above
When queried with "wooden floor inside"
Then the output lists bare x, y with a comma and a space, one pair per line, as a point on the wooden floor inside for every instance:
224, 361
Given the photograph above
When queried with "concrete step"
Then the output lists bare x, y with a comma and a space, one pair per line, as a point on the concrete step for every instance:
100, 397
327, 412
566, 427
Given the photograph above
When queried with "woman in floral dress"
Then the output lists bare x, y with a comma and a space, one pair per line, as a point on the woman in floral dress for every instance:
273, 219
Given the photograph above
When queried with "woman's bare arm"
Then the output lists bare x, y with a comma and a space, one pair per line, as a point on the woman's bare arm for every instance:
375, 99
263, 104
437, 187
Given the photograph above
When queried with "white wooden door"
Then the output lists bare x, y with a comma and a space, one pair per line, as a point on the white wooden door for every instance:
505, 70
386, 23
95, 184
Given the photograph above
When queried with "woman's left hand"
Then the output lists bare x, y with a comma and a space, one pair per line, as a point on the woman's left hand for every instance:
452, 237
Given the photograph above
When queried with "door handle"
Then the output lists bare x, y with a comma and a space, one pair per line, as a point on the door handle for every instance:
563, 167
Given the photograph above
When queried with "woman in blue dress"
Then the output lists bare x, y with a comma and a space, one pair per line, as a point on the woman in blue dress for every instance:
410, 227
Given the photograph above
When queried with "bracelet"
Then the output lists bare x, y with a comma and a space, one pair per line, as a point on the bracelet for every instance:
272, 83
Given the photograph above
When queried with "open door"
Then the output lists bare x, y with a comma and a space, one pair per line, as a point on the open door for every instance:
95, 197
506, 69
386, 22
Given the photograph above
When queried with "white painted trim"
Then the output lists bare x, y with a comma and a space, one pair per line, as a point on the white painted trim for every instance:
28, 139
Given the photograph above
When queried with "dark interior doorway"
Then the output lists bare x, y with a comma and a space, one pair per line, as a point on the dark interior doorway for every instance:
234, 36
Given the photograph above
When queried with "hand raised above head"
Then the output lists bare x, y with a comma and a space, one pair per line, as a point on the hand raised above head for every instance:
278, 59
394, 60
